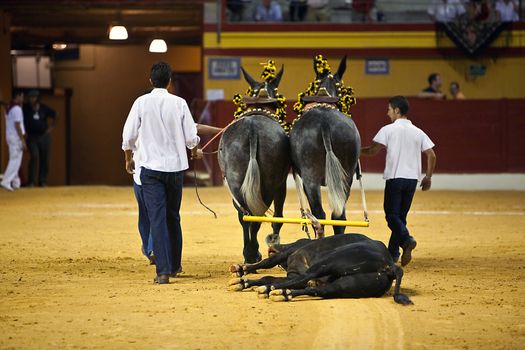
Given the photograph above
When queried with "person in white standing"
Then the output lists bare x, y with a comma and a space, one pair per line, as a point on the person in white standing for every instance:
163, 126
15, 137
404, 143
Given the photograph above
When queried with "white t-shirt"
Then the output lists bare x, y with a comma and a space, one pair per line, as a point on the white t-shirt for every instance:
15, 115
506, 11
404, 144
163, 125
445, 12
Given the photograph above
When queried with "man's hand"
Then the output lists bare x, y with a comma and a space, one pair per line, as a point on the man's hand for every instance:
197, 153
130, 166
426, 183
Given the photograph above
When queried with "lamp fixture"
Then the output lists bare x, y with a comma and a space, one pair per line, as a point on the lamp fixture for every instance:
118, 33
158, 45
59, 46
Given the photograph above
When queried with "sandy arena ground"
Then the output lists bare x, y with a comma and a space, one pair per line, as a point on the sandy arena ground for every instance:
72, 276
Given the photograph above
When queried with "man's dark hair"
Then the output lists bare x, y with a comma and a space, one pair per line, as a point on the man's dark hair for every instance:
399, 102
432, 77
16, 92
160, 74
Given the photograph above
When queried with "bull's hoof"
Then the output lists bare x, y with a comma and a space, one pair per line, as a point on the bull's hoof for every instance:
281, 295
402, 299
262, 290
236, 284
237, 270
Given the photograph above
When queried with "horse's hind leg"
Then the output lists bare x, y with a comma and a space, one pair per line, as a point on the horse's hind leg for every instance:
251, 246
341, 229
278, 203
313, 193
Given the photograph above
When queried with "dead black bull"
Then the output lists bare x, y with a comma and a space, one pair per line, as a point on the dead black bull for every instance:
339, 266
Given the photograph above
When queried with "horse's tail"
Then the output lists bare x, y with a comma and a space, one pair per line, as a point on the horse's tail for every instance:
335, 174
251, 186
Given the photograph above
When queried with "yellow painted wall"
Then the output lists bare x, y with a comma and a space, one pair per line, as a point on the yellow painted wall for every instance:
504, 78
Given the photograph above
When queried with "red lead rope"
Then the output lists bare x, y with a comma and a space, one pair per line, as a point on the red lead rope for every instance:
219, 133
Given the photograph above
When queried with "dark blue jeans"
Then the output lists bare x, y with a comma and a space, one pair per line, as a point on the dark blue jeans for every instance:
398, 198
144, 226
163, 195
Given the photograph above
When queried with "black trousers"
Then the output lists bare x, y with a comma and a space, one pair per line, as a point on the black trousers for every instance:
39, 147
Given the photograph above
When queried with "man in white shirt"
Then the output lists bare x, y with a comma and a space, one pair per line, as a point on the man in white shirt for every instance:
404, 144
507, 10
445, 10
15, 137
164, 127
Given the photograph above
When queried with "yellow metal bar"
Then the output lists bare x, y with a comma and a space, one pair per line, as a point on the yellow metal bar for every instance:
249, 218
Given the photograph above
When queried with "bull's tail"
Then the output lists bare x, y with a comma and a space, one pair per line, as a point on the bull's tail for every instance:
335, 174
251, 186
399, 297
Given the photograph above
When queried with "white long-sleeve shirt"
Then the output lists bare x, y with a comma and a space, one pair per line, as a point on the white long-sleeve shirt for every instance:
163, 126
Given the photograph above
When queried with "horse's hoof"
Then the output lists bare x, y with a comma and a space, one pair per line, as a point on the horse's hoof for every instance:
233, 281
272, 239
236, 288
262, 296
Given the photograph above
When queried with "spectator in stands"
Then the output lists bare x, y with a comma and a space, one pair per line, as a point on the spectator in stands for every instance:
507, 10
478, 10
364, 9
433, 90
455, 92
298, 9
236, 9
445, 10
318, 11
268, 11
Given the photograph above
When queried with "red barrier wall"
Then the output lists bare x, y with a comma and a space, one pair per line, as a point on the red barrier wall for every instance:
471, 136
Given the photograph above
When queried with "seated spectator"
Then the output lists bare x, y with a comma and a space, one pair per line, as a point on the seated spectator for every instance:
433, 90
445, 10
236, 9
268, 11
507, 10
298, 9
364, 8
455, 92
318, 11
478, 10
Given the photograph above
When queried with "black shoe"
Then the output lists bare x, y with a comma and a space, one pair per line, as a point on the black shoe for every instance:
151, 258
409, 245
162, 279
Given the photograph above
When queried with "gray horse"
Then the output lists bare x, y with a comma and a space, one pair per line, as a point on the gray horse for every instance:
325, 146
254, 156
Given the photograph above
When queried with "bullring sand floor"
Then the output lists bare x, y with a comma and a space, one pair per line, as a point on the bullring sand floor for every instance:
72, 276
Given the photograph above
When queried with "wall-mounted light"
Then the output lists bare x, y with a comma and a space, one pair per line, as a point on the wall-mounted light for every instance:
59, 46
118, 33
158, 45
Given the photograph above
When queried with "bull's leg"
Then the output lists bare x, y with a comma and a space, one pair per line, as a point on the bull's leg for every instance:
278, 204
271, 261
242, 283
313, 193
364, 285
251, 246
